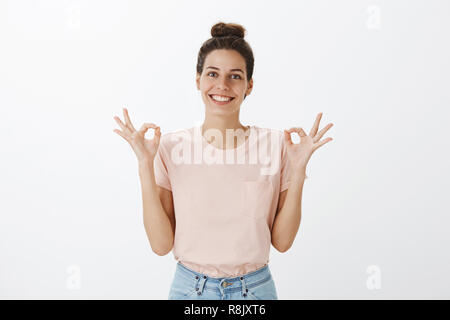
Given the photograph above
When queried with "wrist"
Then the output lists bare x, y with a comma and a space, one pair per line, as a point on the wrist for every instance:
299, 174
145, 164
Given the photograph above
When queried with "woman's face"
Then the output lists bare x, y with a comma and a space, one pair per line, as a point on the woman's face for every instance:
224, 74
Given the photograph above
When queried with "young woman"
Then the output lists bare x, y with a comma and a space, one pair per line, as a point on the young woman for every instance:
220, 203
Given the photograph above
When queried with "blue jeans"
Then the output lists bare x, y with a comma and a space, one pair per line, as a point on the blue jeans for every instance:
191, 285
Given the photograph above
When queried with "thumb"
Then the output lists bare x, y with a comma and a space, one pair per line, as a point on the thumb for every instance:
145, 127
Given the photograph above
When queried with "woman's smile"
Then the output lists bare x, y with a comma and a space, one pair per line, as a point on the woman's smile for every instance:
219, 99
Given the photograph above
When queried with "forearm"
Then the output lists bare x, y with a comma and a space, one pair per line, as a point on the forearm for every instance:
287, 221
156, 222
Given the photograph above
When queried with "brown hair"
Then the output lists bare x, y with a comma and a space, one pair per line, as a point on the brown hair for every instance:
227, 36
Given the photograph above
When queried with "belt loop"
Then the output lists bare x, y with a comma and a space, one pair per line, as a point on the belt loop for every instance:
244, 286
221, 289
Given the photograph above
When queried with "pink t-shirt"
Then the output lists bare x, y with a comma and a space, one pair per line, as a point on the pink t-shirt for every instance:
225, 201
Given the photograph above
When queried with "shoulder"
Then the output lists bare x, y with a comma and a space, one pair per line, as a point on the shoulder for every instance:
170, 139
264, 130
270, 134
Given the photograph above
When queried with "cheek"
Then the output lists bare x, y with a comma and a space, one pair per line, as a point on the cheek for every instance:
206, 84
239, 87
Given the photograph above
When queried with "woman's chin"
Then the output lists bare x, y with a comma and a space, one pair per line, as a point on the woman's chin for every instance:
221, 110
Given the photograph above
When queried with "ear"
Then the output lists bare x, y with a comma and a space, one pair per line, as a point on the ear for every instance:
249, 87
197, 81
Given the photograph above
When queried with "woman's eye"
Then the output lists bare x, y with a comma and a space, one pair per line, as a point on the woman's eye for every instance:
239, 77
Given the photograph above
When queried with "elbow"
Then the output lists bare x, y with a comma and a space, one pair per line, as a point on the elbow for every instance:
161, 252
284, 249
281, 248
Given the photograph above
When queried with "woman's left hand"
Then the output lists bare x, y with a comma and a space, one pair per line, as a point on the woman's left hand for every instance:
300, 153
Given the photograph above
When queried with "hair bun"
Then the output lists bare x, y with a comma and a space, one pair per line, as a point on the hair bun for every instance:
222, 29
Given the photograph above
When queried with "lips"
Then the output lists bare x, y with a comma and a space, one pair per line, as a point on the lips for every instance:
220, 102
220, 95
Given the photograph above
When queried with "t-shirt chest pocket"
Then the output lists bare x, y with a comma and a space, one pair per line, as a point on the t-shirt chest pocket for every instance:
257, 198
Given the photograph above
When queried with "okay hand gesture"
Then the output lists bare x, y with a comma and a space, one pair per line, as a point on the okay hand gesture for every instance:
145, 149
300, 153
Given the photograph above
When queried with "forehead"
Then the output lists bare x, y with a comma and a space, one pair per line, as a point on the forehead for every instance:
225, 60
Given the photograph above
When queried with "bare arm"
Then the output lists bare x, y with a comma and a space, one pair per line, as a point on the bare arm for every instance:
158, 212
288, 217
159, 218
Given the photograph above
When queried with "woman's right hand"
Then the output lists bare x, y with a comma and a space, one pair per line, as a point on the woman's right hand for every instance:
145, 149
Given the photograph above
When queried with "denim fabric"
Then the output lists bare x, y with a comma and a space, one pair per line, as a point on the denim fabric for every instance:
191, 285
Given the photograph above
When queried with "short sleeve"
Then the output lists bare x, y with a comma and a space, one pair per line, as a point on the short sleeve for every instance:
160, 166
285, 168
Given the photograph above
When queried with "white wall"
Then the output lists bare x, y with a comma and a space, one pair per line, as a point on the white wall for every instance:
71, 211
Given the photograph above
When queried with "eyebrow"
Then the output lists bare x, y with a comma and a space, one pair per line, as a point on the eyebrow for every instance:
211, 67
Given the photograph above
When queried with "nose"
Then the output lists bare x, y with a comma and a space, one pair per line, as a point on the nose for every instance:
221, 84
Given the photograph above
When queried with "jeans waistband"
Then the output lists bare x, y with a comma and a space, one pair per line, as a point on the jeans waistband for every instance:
226, 284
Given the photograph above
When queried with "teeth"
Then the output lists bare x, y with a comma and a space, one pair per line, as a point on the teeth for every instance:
219, 98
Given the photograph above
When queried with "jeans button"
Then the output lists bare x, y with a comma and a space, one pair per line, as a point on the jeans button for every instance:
199, 293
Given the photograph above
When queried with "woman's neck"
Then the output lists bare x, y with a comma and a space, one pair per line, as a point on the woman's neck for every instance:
236, 128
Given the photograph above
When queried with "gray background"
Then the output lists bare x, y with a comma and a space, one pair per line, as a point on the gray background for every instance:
375, 212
